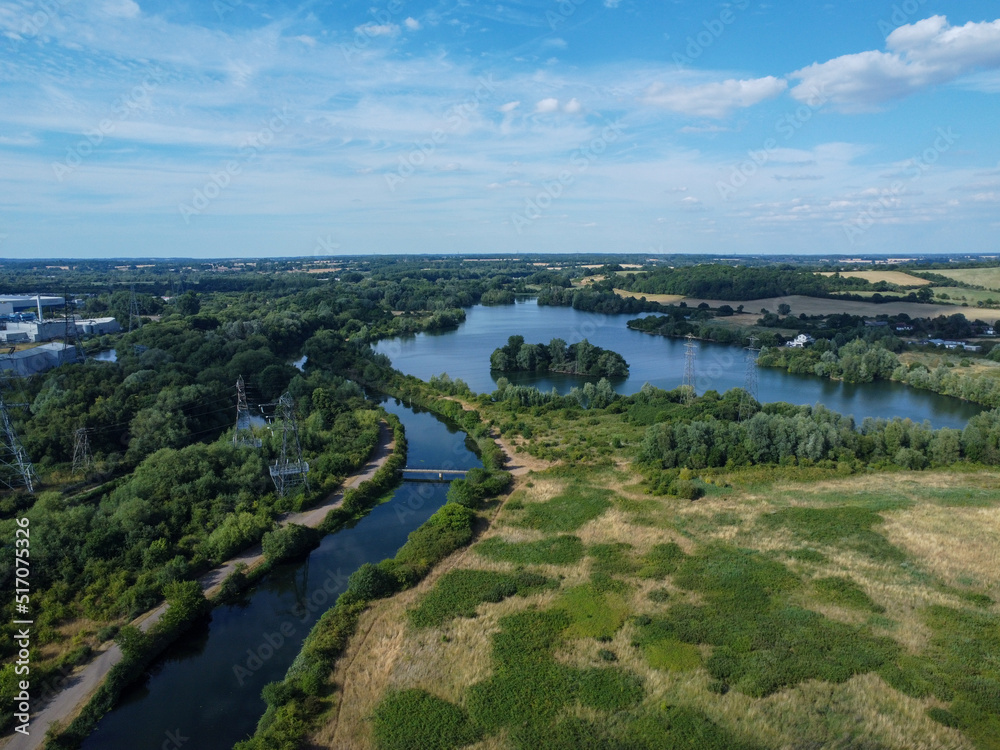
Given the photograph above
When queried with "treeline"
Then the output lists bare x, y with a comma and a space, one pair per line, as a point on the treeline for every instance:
814, 436
582, 358
715, 281
593, 299
862, 361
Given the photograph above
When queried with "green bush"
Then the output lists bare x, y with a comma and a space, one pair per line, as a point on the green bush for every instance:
290, 542
567, 511
459, 592
417, 720
558, 550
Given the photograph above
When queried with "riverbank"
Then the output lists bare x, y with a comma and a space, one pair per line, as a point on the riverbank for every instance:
85, 681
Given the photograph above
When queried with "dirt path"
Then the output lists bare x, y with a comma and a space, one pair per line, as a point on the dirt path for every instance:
79, 688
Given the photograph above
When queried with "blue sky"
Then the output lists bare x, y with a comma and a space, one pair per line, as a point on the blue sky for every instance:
266, 128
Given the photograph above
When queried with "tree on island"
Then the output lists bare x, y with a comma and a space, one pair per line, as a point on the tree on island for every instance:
574, 359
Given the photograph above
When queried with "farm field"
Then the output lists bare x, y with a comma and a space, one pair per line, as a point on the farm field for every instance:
665, 299
958, 294
593, 615
984, 277
821, 306
890, 277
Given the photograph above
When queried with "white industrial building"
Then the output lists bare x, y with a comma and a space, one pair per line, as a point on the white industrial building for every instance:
38, 359
11, 304
34, 331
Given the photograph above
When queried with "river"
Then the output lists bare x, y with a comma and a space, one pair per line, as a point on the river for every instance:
206, 687
465, 353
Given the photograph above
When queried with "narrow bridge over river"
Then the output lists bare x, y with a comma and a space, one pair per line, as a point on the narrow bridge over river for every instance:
432, 475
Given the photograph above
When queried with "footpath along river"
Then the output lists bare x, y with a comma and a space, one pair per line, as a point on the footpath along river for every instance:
204, 692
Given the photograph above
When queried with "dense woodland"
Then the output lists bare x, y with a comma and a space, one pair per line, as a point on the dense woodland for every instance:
582, 358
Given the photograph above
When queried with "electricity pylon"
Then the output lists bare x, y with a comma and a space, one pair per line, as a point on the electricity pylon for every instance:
749, 398
289, 471
17, 469
81, 451
243, 435
691, 349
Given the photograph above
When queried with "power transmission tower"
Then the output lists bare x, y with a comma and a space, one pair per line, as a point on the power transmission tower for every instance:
17, 469
133, 310
749, 399
287, 473
81, 451
243, 435
691, 349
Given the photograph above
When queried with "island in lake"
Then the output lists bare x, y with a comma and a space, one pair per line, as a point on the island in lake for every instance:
557, 356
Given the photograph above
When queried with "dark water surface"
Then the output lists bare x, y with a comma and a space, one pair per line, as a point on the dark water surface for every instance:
465, 353
206, 687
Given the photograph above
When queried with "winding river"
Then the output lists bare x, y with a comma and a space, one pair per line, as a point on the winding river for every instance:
206, 687
465, 353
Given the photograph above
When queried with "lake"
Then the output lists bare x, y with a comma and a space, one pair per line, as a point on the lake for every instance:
465, 353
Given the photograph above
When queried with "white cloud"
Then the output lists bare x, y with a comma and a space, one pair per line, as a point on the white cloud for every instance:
922, 54
306, 40
121, 8
509, 107
546, 106
612, 3
715, 99
573, 106
412, 24
376, 29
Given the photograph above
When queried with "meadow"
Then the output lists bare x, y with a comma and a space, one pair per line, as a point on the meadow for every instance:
784, 608
988, 278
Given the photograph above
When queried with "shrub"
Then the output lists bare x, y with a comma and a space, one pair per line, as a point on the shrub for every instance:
417, 720
558, 550
290, 542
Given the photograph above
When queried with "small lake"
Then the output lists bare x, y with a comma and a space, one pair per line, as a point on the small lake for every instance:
465, 353
206, 687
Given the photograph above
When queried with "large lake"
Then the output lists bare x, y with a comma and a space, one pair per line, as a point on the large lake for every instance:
465, 353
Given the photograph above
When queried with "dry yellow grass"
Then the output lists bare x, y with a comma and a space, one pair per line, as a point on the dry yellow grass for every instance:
890, 277
663, 299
